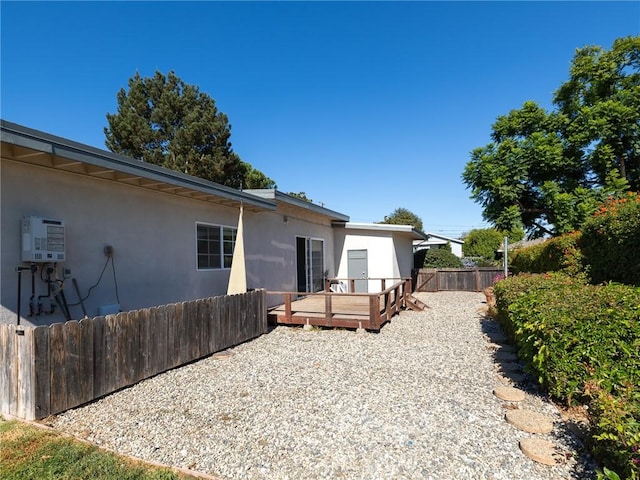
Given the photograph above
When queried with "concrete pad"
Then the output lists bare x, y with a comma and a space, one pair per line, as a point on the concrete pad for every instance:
222, 355
516, 377
496, 337
539, 450
529, 421
502, 356
510, 367
509, 394
507, 348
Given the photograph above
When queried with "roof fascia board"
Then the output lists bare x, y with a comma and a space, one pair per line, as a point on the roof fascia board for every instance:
290, 200
456, 240
384, 227
26, 142
25, 137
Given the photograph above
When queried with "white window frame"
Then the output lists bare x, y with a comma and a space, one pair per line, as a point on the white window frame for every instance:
222, 255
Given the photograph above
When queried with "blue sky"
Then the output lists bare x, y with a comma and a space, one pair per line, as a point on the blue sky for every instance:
365, 106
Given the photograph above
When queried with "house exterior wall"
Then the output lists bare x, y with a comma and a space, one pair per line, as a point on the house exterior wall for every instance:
153, 235
404, 255
270, 248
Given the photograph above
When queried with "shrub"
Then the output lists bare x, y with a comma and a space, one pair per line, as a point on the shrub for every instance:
482, 242
559, 254
615, 430
440, 258
581, 343
611, 241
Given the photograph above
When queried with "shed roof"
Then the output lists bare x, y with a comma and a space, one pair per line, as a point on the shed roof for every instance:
26, 145
385, 227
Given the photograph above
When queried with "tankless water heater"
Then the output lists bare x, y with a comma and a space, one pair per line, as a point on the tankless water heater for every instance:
42, 240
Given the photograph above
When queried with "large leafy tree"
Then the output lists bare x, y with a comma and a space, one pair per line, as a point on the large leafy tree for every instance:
601, 102
548, 171
164, 121
402, 216
483, 242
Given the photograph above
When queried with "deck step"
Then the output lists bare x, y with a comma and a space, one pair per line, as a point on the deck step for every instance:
414, 304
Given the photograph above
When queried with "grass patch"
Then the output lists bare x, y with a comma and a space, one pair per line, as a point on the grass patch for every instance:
28, 452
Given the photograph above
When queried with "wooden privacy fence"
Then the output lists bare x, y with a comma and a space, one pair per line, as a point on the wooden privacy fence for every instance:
463, 279
46, 370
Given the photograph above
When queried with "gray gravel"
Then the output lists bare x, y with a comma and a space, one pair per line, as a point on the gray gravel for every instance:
414, 401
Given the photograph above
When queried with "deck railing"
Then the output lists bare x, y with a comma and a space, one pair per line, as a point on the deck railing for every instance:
351, 283
376, 308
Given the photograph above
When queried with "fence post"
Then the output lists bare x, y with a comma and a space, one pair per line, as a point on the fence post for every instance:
374, 311
287, 307
327, 308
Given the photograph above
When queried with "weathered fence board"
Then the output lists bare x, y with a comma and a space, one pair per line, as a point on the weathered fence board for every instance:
58, 373
99, 357
46, 370
26, 389
463, 279
41, 371
7, 362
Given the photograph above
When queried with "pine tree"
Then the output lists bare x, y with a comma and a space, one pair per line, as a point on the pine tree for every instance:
164, 121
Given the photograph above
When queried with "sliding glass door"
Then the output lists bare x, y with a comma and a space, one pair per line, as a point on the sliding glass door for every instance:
310, 264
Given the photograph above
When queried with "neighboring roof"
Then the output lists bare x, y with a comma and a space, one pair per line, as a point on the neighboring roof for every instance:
385, 227
442, 237
522, 244
26, 145
435, 239
273, 194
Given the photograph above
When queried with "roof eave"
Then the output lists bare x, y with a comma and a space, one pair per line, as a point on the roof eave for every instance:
297, 202
19, 135
385, 227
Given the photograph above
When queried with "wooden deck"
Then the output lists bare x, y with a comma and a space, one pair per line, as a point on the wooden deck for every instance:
348, 310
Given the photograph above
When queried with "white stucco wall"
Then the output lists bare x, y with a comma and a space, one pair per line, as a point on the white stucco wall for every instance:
152, 234
270, 248
389, 255
404, 254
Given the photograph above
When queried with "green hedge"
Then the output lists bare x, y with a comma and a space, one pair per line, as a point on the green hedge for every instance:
611, 241
441, 258
582, 343
560, 254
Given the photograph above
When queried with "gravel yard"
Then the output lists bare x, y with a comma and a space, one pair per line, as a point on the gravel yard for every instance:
414, 401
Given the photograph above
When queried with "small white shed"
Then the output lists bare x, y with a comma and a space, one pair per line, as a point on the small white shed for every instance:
374, 251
